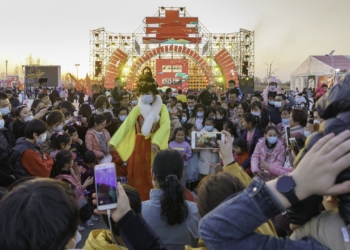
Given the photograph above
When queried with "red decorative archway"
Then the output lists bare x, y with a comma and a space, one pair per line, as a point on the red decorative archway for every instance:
226, 63
166, 49
113, 70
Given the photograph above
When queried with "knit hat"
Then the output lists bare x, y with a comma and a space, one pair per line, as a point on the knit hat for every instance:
273, 79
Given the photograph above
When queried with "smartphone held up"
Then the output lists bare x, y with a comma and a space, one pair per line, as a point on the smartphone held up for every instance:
206, 140
106, 186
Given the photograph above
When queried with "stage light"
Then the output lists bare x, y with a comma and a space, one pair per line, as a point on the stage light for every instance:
113, 44
110, 37
97, 55
247, 46
230, 45
97, 45
126, 69
208, 58
126, 44
134, 58
115, 37
181, 9
96, 34
162, 8
216, 68
217, 45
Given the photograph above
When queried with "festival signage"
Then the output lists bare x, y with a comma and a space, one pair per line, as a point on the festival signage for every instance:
172, 73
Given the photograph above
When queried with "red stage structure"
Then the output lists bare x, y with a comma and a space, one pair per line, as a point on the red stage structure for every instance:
179, 50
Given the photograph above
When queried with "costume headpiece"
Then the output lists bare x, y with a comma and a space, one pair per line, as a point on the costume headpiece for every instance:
146, 79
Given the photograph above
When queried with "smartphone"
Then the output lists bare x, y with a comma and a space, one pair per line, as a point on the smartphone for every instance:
294, 144
106, 186
206, 140
288, 135
79, 118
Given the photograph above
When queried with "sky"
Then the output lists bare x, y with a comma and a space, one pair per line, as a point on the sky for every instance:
286, 31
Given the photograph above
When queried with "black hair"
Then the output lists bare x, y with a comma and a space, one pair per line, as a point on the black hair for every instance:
271, 94
108, 116
258, 96
310, 121
34, 105
67, 113
234, 91
3, 96
222, 111
192, 97
196, 107
256, 104
39, 213
173, 135
254, 120
187, 127
135, 205
241, 143
231, 127
89, 156
70, 130
245, 106
18, 110
59, 138
179, 91
268, 128
98, 119
283, 96
150, 85
58, 99
54, 117
42, 95
174, 208
168, 90
210, 119
85, 110
121, 109
173, 98
117, 78
34, 126
62, 158
231, 82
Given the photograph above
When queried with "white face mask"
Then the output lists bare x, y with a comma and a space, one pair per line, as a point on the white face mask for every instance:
2, 123
28, 118
42, 138
58, 128
147, 99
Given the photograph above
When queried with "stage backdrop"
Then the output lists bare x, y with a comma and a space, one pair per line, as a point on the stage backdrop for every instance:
33, 73
172, 73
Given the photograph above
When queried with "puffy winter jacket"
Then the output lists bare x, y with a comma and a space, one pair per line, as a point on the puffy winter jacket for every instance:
334, 108
266, 93
275, 160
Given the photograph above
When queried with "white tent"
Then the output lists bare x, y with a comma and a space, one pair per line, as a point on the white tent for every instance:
317, 70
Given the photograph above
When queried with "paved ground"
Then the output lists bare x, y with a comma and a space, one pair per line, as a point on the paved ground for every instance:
98, 225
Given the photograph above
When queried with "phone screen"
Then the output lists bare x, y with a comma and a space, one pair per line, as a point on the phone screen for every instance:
79, 118
206, 140
288, 135
106, 186
294, 145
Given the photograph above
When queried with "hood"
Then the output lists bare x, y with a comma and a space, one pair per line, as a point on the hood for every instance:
336, 100
101, 240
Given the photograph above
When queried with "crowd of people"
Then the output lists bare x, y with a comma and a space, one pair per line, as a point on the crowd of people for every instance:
279, 180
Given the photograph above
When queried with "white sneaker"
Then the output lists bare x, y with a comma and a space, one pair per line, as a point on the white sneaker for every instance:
94, 218
90, 223
80, 228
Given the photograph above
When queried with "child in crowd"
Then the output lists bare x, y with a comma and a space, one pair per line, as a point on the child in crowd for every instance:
59, 141
177, 142
230, 127
191, 171
242, 108
77, 147
197, 116
285, 115
221, 117
89, 162
251, 134
68, 119
240, 153
184, 116
208, 159
269, 156
257, 109
65, 163
134, 101
174, 119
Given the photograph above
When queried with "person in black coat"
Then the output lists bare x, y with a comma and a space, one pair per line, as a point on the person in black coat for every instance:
207, 95
251, 124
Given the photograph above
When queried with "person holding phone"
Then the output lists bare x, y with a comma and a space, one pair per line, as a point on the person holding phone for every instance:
143, 133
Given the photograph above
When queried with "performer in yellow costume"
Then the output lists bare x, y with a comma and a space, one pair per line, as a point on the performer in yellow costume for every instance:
144, 132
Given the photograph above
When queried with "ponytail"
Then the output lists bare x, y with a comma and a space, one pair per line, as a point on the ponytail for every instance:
174, 208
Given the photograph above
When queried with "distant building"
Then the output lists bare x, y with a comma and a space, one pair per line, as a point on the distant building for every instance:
317, 70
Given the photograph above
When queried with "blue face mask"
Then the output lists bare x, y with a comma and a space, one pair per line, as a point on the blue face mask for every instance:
183, 119
272, 87
272, 103
208, 128
169, 109
200, 114
134, 102
190, 108
278, 104
5, 111
122, 117
272, 139
285, 121
307, 133
58, 128
257, 113
147, 99
214, 117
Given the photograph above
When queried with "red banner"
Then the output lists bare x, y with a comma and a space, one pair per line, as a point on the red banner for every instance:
172, 73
